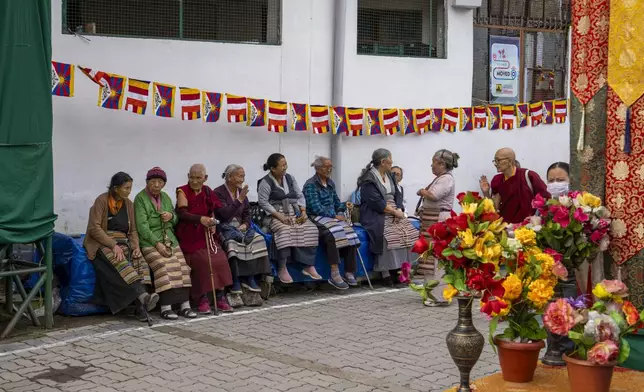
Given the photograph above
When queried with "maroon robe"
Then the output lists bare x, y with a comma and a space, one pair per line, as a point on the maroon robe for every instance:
192, 239
516, 197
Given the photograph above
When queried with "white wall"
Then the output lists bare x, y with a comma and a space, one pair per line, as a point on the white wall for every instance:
91, 143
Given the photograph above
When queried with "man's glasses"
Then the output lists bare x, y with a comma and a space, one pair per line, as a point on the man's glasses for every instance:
497, 161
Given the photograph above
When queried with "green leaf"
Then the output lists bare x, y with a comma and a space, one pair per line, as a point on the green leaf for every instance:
447, 252
460, 285
582, 352
493, 324
470, 254
449, 279
504, 239
587, 341
471, 226
508, 333
642, 315
624, 351
483, 226
619, 319
458, 253
575, 336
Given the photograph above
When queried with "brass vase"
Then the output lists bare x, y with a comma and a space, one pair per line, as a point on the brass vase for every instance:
465, 343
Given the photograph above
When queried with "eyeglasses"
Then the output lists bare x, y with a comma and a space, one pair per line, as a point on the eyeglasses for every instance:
497, 161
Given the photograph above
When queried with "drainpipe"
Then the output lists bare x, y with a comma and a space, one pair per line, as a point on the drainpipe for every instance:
339, 23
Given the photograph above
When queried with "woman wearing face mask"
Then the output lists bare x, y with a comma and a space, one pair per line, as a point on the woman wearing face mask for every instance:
558, 179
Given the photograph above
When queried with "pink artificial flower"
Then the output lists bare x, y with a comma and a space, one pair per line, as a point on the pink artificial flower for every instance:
603, 353
574, 194
560, 215
615, 287
405, 273
580, 215
596, 236
560, 271
555, 255
559, 317
540, 204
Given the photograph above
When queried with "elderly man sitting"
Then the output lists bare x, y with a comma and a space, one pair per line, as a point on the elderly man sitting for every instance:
323, 206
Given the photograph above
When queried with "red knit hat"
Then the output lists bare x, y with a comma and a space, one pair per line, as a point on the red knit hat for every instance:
156, 172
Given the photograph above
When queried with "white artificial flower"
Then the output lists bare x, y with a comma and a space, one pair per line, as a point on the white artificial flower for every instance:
603, 243
587, 210
577, 201
601, 212
594, 223
565, 201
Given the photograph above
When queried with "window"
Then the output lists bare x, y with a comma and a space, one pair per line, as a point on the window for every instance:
240, 21
407, 28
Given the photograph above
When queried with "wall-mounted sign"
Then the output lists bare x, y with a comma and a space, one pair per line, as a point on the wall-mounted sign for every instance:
504, 69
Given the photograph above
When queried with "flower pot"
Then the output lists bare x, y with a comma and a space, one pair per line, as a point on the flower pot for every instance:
465, 343
518, 360
585, 376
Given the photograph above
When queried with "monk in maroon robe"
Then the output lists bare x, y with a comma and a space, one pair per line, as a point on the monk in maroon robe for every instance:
513, 189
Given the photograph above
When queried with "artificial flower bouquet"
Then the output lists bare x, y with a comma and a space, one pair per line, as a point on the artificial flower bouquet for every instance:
597, 329
576, 225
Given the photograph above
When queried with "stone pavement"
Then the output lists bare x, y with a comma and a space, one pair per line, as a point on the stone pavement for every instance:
356, 340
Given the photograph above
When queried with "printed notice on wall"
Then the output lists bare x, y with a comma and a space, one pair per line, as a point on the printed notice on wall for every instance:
504, 69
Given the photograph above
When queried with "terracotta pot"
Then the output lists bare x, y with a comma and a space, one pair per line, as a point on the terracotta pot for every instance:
518, 360
588, 377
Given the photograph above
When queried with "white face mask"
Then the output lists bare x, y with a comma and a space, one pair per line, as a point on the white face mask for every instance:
557, 189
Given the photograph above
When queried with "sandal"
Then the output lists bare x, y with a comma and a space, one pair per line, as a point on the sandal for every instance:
188, 313
169, 315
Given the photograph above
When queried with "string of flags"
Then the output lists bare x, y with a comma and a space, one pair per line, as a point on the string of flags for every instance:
119, 92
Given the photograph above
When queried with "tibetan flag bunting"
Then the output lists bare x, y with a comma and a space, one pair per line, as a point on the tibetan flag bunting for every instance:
466, 122
422, 120
277, 116
522, 115
406, 118
62, 79
507, 117
390, 121
299, 116
494, 117
97, 77
256, 112
436, 119
536, 113
548, 112
110, 94
450, 120
320, 119
561, 111
480, 117
163, 99
211, 106
137, 96
236, 108
339, 119
374, 122
190, 103
355, 118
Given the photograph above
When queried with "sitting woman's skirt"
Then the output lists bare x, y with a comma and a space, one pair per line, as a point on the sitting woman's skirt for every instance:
200, 272
251, 259
295, 241
341, 231
171, 275
399, 237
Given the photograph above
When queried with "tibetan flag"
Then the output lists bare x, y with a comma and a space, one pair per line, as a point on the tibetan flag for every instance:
536, 113
422, 120
390, 121
299, 116
507, 117
355, 118
211, 106
163, 99
466, 122
561, 111
480, 117
190, 103
548, 112
339, 119
256, 112
277, 116
494, 117
110, 94
236, 108
406, 118
320, 119
97, 77
374, 121
450, 120
137, 96
62, 79
522, 115
437, 119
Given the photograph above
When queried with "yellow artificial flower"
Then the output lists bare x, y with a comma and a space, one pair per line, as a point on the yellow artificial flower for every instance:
492, 253
547, 263
589, 200
497, 226
467, 238
513, 287
541, 291
470, 208
600, 292
449, 292
479, 248
488, 205
504, 312
525, 236
488, 236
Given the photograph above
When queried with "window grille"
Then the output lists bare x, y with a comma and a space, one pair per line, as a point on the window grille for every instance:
406, 28
235, 21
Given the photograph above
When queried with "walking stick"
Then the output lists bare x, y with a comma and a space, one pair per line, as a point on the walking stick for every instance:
209, 246
364, 268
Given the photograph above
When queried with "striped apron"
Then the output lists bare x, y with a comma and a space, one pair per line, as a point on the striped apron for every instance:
130, 269
169, 272
341, 231
295, 234
399, 233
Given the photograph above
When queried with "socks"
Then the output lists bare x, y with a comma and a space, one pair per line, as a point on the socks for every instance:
185, 305
165, 307
385, 274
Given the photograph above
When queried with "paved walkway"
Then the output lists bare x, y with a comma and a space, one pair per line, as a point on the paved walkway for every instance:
357, 340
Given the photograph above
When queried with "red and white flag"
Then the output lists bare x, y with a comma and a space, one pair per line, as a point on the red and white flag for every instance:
236, 108
319, 119
277, 116
390, 121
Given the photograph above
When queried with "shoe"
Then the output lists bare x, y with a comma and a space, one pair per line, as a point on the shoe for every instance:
350, 279
234, 300
223, 305
252, 285
169, 315
284, 276
188, 313
204, 306
236, 289
386, 281
311, 273
341, 285
151, 301
141, 313
266, 284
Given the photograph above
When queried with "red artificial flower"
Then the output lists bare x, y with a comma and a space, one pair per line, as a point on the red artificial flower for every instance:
460, 197
539, 202
555, 255
494, 288
494, 305
574, 194
489, 217
458, 223
420, 246
439, 230
439, 247
560, 215
482, 278
459, 262
405, 273
596, 236
580, 215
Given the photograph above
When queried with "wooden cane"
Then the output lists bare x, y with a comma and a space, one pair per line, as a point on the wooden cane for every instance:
212, 277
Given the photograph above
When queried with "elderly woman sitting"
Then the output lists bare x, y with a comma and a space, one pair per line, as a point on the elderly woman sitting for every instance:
112, 244
155, 221
295, 237
247, 253
323, 206
391, 234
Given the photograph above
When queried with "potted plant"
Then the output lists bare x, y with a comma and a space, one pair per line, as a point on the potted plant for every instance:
597, 330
